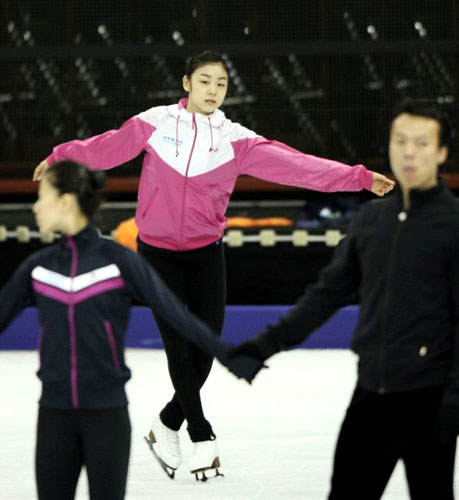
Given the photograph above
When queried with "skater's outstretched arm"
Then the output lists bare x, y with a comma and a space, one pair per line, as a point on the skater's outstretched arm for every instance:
338, 286
103, 151
149, 288
276, 162
146, 286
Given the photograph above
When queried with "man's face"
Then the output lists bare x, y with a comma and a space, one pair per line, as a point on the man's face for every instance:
415, 152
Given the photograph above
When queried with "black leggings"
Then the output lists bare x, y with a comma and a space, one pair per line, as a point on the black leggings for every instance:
377, 431
198, 278
68, 439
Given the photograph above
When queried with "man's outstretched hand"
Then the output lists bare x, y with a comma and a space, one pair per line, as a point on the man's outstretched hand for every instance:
244, 360
244, 366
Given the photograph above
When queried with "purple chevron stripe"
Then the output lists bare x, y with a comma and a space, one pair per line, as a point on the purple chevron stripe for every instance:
98, 288
76, 297
52, 292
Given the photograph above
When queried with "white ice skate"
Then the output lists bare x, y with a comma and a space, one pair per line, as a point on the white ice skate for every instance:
205, 458
165, 446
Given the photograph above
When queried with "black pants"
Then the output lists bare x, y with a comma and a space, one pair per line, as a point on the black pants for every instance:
68, 439
377, 431
198, 278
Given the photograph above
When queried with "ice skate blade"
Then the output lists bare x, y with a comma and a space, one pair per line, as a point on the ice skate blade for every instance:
202, 478
200, 474
168, 470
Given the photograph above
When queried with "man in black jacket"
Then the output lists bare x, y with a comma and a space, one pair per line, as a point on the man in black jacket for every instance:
400, 261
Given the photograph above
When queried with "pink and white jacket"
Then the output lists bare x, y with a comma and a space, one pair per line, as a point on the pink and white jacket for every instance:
190, 168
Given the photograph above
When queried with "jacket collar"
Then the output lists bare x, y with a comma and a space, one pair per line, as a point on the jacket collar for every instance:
85, 238
421, 196
179, 111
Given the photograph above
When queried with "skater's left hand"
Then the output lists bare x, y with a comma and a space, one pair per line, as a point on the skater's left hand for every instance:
247, 359
244, 366
381, 184
447, 423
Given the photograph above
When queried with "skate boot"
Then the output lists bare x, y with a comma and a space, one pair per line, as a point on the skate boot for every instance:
165, 446
205, 459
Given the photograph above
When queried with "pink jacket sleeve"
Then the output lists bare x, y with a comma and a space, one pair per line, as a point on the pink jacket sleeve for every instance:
109, 149
276, 162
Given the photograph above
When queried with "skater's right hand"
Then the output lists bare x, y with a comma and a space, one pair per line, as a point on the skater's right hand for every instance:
40, 170
381, 184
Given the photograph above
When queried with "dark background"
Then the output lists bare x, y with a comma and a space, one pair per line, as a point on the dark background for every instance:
320, 75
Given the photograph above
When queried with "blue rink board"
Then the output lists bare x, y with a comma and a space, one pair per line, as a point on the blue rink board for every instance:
242, 322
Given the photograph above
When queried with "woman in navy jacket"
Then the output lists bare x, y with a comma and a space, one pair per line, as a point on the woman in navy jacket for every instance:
83, 287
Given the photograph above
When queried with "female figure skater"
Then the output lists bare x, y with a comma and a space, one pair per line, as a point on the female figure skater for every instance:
83, 287
193, 158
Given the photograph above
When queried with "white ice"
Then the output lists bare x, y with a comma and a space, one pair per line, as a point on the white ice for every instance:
276, 437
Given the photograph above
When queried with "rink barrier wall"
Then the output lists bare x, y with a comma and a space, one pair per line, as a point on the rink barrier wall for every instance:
242, 322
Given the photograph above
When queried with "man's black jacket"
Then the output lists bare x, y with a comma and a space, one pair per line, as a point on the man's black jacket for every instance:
402, 266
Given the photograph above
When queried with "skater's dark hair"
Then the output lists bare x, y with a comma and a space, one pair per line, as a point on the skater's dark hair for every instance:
206, 57
429, 109
76, 178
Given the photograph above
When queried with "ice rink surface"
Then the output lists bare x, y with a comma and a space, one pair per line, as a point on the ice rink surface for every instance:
276, 438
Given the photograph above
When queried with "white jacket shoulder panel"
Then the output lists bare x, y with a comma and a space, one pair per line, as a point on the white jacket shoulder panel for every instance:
236, 132
154, 116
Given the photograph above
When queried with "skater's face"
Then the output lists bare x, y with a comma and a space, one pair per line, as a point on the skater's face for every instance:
53, 210
206, 88
415, 152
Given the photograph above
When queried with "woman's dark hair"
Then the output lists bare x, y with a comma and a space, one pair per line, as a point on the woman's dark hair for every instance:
77, 179
429, 109
207, 57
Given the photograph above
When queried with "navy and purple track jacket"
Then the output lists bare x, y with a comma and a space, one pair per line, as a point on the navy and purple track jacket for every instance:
83, 287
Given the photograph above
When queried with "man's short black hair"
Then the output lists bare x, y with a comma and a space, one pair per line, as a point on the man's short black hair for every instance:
429, 109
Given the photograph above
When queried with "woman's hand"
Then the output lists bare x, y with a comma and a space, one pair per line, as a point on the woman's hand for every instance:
245, 360
43, 167
381, 184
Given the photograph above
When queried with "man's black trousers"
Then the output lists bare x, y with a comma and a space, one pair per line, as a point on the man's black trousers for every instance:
380, 429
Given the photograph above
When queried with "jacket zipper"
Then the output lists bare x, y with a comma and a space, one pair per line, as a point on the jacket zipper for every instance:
72, 326
382, 348
186, 179
111, 340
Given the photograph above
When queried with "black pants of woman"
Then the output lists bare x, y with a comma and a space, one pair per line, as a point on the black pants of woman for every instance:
380, 429
67, 440
198, 278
